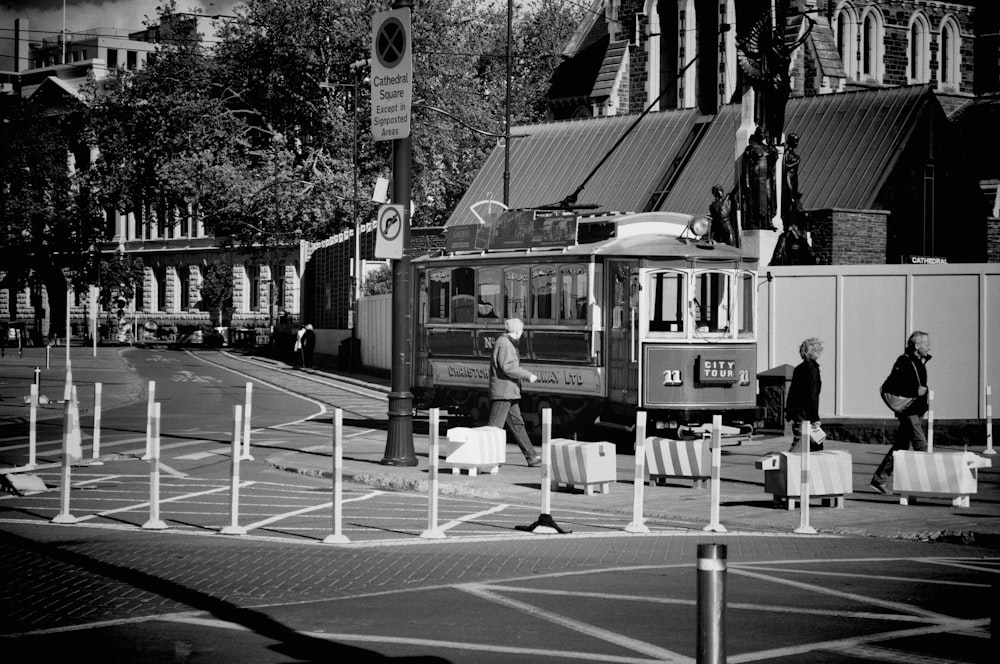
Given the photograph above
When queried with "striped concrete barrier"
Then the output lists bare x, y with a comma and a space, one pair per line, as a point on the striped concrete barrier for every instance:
689, 458
472, 448
584, 465
938, 474
830, 476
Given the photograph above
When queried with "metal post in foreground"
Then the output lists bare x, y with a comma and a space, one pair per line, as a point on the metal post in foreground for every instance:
33, 428
806, 440
433, 532
399, 442
546, 461
245, 455
38, 377
337, 537
639, 483
989, 423
97, 426
154, 522
64, 515
234, 527
713, 523
930, 421
150, 398
711, 604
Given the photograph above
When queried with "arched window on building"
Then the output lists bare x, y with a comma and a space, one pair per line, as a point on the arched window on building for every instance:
253, 287
950, 56
184, 283
872, 47
847, 38
919, 54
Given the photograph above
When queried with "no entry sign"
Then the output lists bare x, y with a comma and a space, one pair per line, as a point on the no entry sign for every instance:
392, 75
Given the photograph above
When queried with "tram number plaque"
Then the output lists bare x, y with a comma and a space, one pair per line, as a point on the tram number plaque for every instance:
673, 377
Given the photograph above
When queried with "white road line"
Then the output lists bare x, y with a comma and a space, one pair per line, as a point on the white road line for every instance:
876, 654
173, 499
306, 510
833, 645
469, 517
864, 599
648, 649
949, 563
432, 644
99, 478
860, 575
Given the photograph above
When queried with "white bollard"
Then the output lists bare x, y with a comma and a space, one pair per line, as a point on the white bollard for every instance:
546, 461
234, 527
713, 523
806, 441
154, 522
48, 357
638, 525
246, 423
989, 423
64, 515
33, 428
97, 426
337, 537
930, 421
150, 398
433, 532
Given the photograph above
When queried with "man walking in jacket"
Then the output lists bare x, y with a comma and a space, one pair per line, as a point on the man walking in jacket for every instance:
907, 379
506, 375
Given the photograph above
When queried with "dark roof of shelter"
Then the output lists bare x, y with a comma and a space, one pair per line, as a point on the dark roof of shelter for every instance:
610, 67
849, 143
824, 45
576, 76
549, 161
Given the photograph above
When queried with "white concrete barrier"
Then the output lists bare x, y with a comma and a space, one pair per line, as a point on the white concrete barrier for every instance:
686, 459
830, 476
472, 448
584, 465
938, 474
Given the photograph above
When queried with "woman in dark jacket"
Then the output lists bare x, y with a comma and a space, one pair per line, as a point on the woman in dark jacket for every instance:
803, 394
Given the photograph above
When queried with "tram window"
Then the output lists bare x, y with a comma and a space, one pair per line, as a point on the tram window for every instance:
463, 298
438, 288
745, 295
711, 302
488, 296
573, 294
543, 289
515, 283
668, 302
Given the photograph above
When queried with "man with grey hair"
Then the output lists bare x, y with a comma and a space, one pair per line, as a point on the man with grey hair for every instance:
907, 379
506, 375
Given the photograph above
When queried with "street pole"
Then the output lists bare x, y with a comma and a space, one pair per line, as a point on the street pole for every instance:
399, 443
356, 285
506, 131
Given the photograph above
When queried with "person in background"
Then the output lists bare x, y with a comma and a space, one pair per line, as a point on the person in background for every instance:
308, 346
908, 378
802, 404
506, 375
299, 335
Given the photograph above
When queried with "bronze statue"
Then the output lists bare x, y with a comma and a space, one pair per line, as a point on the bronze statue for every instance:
720, 211
757, 193
791, 197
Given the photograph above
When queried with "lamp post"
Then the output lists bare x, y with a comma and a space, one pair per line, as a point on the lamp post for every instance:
356, 282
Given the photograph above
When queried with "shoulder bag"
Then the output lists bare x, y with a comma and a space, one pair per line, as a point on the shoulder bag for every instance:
896, 403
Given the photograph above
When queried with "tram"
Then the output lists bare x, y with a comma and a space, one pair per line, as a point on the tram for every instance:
621, 312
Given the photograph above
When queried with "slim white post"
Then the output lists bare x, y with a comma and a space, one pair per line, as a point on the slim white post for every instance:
804, 527
337, 537
64, 515
234, 527
639, 483
930, 421
150, 399
154, 522
33, 427
546, 461
48, 356
989, 423
97, 426
713, 523
433, 532
246, 423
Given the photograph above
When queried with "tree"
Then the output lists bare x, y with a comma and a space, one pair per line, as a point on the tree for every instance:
50, 223
217, 290
121, 276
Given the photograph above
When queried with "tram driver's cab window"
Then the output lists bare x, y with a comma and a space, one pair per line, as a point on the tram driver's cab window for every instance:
745, 302
668, 302
488, 295
573, 294
463, 297
710, 304
543, 293
515, 293
438, 295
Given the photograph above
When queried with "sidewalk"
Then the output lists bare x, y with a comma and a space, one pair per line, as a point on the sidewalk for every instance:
744, 504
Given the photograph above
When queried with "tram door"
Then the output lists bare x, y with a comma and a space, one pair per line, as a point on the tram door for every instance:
622, 366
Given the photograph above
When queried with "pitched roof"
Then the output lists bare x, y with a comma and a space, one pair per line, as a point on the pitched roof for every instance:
849, 143
549, 161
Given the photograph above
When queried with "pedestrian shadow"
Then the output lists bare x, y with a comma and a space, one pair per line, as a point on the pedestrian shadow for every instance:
289, 641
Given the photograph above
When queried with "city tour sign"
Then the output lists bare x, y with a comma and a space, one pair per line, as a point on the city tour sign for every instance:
392, 75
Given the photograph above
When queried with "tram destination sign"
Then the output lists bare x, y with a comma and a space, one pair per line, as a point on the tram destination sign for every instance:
515, 229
